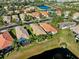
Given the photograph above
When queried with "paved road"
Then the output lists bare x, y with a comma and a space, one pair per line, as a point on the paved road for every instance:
8, 27
14, 25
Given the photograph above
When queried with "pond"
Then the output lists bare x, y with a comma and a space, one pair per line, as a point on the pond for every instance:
58, 53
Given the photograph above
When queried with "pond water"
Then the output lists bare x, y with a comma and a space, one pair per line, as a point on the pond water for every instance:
58, 53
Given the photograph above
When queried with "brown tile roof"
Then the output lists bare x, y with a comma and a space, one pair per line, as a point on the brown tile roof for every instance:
36, 14
37, 30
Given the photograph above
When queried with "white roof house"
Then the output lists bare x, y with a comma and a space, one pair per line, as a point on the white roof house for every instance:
66, 14
17, 11
10, 12
29, 9
6, 7
76, 16
65, 25
75, 29
66, 0
22, 16
7, 19
21, 32
15, 17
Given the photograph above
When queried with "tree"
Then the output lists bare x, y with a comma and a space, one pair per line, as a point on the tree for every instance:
1, 21
57, 20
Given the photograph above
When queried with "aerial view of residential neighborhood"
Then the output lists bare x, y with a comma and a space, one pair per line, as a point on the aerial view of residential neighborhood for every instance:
39, 29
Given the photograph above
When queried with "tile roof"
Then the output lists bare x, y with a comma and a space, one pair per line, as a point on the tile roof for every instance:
36, 14
45, 13
5, 40
37, 30
47, 27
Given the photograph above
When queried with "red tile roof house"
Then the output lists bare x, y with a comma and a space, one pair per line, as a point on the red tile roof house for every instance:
36, 14
48, 28
5, 40
45, 13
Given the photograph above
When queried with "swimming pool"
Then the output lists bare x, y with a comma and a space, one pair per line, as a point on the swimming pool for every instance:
43, 7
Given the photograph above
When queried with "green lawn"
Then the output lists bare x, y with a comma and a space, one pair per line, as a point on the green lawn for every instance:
33, 49
14, 32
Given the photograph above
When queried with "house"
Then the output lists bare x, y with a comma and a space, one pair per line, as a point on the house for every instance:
76, 31
66, 14
22, 35
45, 13
26, 10
16, 18
17, 11
32, 9
36, 14
48, 28
7, 19
37, 30
32, 0
5, 40
6, 7
21, 32
22, 16
77, 37
65, 25
10, 12
75, 16
58, 11
21, 9
66, 1
47, 0
29, 9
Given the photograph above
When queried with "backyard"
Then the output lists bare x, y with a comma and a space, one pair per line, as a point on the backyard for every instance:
37, 48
